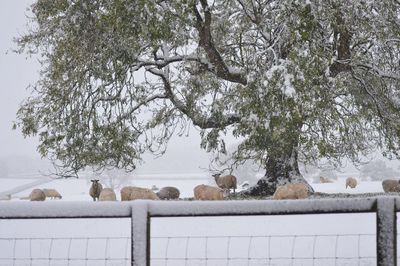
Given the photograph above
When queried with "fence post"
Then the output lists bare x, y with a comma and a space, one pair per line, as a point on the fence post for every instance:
140, 255
386, 232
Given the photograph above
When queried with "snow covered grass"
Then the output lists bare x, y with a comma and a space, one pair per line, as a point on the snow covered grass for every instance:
10, 183
77, 189
339, 186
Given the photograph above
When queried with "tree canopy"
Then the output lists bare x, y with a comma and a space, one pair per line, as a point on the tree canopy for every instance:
295, 80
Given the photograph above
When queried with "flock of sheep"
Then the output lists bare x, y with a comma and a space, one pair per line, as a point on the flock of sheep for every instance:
97, 192
201, 192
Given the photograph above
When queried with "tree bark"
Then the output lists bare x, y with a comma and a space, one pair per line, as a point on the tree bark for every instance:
281, 165
279, 171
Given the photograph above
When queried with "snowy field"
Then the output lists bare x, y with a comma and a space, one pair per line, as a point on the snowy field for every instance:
324, 239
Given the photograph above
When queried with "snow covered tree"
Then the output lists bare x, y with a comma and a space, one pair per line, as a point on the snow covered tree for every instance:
292, 79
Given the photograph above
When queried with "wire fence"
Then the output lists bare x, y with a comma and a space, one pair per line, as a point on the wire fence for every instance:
335, 249
65, 251
141, 248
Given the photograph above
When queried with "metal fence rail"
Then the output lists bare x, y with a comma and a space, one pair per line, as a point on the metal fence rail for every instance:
141, 212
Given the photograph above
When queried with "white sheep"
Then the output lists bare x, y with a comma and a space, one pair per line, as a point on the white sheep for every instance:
37, 195
226, 182
168, 193
391, 185
133, 193
291, 191
204, 192
325, 180
51, 193
95, 189
107, 194
351, 182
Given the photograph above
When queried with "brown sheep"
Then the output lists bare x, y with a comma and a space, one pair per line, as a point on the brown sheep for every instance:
351, 182
95, 189
226, 182
291, 191
133, 193
52, 193
204, 192
37, 195
167, 193
325, 180
391, 185
107, 194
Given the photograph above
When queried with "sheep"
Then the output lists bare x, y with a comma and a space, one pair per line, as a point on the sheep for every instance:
37, 195
133, 193
325, 180
391, 185
204, 192
168, 193
154, 188
226, 182
351, 182
107, 194
51, 193
291, 191
95, 189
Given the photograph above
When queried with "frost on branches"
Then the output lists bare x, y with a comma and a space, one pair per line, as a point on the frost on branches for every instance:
294, 80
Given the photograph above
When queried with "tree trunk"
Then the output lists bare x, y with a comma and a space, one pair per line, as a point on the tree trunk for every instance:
281, 167
279, 171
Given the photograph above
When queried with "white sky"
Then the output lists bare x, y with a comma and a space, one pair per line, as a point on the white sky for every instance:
16, 73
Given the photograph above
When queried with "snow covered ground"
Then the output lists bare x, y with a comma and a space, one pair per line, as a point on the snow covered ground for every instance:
324, 239
77, 189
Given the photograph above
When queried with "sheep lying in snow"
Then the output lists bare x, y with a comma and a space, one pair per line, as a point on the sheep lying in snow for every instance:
391, 185
291, 191
133, 193
95, 189
107, 194
167, 193
351, 182
37, 195
226, 182
51, 193
325, 180
204, 192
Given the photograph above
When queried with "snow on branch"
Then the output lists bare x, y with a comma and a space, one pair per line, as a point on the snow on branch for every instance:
379, 72
207, 43
197, 118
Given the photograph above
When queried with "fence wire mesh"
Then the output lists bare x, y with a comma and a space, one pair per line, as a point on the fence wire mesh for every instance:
71, 251
338, 249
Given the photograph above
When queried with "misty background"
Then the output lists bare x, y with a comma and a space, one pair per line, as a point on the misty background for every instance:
18, 155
